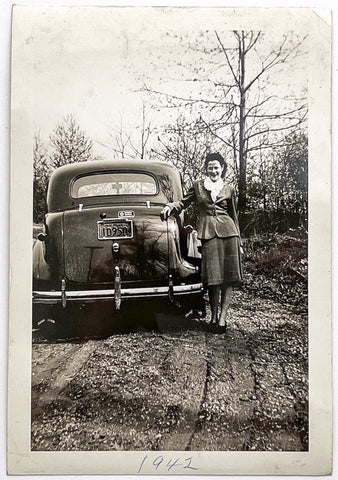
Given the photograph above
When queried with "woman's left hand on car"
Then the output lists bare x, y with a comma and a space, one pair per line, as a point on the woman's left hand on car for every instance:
165, 213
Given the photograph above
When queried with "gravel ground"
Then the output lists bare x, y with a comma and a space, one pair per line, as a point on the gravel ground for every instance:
181, 387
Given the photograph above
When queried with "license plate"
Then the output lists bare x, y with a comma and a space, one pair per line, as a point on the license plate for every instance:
114, 229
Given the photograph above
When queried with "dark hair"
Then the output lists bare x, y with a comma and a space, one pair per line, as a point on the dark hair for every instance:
216, 156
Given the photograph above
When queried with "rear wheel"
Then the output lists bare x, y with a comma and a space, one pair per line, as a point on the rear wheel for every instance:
47, 322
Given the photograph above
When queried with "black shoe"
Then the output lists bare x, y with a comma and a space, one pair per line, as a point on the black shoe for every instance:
220, 329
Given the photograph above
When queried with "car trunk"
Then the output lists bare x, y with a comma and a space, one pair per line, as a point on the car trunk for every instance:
96, 240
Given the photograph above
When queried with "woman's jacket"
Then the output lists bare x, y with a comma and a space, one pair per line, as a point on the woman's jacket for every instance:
217, 218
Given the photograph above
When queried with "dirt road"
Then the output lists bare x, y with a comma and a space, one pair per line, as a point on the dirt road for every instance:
179, 388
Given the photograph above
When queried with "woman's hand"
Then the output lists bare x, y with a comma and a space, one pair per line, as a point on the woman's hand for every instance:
165, 213
241, 250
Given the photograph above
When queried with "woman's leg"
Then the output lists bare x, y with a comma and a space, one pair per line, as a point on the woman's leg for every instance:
225, 302
214, 291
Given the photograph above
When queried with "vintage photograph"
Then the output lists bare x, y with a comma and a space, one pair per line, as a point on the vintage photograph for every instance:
169, 198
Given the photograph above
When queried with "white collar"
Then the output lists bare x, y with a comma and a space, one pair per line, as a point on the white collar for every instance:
213, 187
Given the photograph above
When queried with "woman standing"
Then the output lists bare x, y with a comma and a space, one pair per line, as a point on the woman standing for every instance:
219, 234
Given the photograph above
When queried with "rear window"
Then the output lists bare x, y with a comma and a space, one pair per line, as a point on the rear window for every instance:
111, 184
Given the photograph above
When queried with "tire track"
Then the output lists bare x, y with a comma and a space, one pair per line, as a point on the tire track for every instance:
227, 398
192, 368
57, 374
200, 418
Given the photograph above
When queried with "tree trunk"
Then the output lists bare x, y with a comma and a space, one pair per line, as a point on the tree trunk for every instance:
242, 152
242, 161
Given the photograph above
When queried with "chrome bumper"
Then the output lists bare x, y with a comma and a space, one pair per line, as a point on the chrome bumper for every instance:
54, 297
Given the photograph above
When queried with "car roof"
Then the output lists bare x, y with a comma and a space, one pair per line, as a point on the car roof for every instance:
119, 164
58, 196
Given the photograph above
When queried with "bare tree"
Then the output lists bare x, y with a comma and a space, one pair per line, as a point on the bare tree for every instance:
70, 144
180, 145
185, 145
145, 130
240, 104
130, 144
120, 141
258, 120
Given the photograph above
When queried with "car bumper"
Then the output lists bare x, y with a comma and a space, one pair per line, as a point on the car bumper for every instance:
54, 297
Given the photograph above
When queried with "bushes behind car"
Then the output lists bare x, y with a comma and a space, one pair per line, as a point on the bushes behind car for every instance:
276, 265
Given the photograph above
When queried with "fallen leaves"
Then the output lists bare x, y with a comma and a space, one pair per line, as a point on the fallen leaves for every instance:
144, 390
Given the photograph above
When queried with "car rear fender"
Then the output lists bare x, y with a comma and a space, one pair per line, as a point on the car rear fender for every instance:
54, 224
41, 270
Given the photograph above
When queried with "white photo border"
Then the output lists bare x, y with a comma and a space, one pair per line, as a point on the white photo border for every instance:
21, 460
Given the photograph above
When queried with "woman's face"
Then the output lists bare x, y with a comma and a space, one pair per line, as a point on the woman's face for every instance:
214, 170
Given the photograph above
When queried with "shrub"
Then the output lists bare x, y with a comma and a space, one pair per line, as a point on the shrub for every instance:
275, 266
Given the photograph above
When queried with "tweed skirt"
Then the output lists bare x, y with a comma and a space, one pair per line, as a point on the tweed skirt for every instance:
221, 261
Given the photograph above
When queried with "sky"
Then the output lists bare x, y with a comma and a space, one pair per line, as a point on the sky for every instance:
92, 63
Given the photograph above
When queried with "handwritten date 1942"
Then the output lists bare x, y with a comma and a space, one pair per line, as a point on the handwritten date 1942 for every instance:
167, 463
